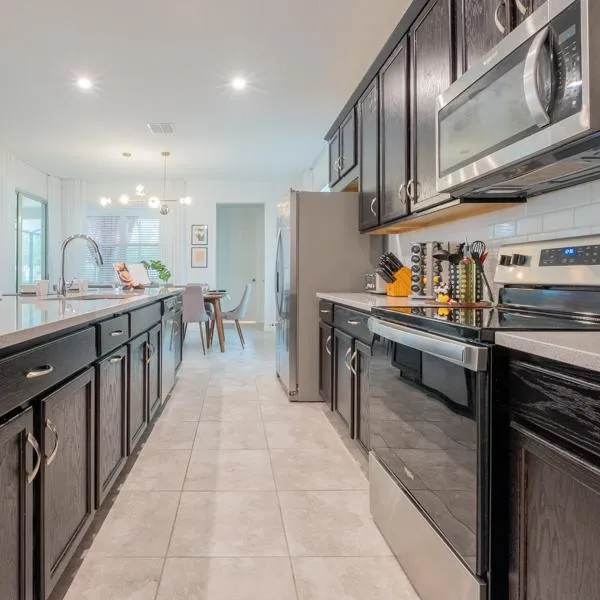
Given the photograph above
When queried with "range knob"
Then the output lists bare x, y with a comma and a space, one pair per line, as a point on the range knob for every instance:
505, 260
519, 259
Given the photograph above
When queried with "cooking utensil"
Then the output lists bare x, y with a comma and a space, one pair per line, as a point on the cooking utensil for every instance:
478, 249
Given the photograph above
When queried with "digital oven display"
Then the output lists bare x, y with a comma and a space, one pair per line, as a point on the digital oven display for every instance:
572, 255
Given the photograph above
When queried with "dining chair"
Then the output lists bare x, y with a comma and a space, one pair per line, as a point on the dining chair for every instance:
196, 311
239, 312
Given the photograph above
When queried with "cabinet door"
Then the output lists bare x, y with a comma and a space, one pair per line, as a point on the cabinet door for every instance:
334, 159
348, 144
343, 377
368, 110
67, 474
555, 530
137, 406
17, 473
325, 362
432, 73
153, 351
168, 354
362, 356
483, 25
178, 335
394, 135
111, 421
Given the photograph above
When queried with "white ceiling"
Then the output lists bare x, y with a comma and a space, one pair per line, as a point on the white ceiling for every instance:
171, 62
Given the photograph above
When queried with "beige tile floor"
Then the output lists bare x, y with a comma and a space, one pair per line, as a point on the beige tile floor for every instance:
240, 495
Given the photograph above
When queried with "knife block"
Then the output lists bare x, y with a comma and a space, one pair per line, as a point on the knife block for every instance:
401, 287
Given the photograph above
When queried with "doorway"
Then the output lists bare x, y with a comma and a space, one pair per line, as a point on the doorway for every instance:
241, 255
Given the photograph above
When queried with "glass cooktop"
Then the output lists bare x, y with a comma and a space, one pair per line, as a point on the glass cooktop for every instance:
480, 323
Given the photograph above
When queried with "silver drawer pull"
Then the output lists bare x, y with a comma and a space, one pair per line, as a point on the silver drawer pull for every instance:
39, 372
115, 359
117, 333
353, 322
52, 428
38, 457
325, 311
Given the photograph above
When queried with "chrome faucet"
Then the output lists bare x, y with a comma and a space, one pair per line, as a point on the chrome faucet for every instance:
62, 284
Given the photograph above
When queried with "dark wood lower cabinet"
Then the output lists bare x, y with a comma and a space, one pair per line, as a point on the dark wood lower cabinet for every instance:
153, 352
111, 421
67, 474
325, 362
137, 409
16, 503
343, 382
178, 338
555, 528
361, 394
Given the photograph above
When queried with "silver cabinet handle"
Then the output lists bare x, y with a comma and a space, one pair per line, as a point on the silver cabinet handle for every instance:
328, 345
39, 372
117, 333
501, 28
346, 359
150, 349
38, 457
115, 359
410, 189
521, 7
530, 79
353, 363
341, 167
373, 206
353, 322
52, 428
401, 190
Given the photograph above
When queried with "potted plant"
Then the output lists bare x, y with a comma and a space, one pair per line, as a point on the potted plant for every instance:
162, 271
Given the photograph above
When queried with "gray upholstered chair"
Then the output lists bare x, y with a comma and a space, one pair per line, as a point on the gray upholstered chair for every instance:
239, 312
196, 311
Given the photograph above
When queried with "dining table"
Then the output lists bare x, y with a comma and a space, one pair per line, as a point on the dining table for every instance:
214, 297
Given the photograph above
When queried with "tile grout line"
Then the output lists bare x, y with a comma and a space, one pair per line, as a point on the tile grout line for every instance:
285, 536
162, 570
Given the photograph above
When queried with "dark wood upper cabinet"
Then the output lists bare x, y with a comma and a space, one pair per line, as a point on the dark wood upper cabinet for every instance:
137, 405
111, 421
334, 159
325, 362
394, 135
16, 500
432, 62
67, 473
342, 355
153, 351
348, 144
368, 127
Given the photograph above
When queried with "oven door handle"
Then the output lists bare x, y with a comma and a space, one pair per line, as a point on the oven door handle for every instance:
470, 357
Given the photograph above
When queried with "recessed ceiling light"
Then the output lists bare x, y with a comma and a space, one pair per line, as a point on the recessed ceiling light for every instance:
124, 199
126, 154
239, 84
84, 83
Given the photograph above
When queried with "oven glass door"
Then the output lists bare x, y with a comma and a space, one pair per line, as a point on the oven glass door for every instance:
425, 419
538, 84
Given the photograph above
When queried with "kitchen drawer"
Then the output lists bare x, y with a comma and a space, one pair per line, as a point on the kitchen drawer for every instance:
145, 318
173, 304
27, 374
113, 333
353, 322
326, 311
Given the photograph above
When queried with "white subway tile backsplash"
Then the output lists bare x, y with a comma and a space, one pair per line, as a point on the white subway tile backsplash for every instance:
587, 216
529, 225
555, 221
561, 199
503, 230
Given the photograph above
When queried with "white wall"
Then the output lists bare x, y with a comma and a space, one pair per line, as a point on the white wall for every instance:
16, 176
316, 177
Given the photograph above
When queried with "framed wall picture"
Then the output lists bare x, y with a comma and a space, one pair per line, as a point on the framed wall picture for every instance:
199, 235
199, 258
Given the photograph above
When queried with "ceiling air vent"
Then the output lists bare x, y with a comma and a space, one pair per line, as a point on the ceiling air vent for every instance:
161, 128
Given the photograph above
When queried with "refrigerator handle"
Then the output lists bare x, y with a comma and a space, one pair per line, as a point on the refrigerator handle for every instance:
277, 256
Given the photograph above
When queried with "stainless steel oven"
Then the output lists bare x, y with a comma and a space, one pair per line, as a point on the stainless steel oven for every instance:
529, 112
428, 440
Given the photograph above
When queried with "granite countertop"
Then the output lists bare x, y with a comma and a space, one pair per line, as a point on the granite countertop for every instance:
579, 348
24, 318
367, 302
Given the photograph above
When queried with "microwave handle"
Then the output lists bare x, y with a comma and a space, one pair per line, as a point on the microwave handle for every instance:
532, 95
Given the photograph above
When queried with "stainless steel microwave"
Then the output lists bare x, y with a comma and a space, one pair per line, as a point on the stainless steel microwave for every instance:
526, 118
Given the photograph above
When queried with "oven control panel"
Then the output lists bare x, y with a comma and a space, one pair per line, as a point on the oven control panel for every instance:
565, 262
570, 255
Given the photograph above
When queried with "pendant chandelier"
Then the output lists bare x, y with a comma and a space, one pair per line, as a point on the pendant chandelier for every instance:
154, 201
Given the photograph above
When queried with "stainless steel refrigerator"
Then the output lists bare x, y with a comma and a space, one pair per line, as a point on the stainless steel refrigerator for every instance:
319, 249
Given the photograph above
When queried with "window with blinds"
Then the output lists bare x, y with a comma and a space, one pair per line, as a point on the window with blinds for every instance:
122, 238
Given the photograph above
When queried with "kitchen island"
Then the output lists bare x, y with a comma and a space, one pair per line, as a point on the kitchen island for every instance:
81, 378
